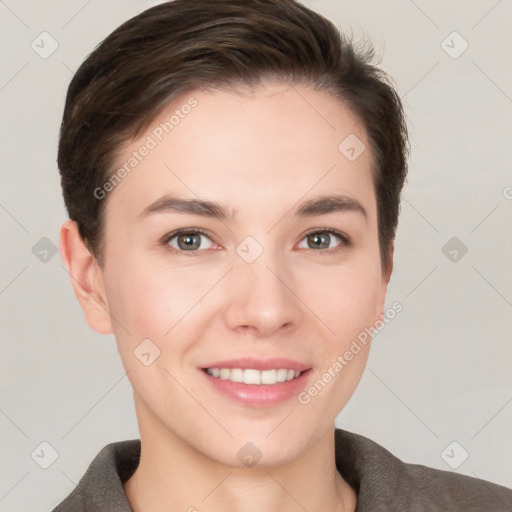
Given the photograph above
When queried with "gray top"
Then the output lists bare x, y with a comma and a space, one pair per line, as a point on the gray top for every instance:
383, 482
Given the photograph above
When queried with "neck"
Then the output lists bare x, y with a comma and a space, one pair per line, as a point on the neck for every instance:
174, 475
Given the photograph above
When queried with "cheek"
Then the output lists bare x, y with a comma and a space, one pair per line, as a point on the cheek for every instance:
149, 299
153, 300
347, 301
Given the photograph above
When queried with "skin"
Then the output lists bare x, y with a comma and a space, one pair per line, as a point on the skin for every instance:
258, 153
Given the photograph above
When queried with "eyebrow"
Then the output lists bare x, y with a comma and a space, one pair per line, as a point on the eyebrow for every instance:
319, 206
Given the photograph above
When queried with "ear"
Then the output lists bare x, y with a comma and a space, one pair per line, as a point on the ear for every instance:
386, 276
86, 278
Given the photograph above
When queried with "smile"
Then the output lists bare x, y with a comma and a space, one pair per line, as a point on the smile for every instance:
252, 376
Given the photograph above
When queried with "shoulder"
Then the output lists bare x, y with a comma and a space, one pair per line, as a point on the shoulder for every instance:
383, 480
101, 487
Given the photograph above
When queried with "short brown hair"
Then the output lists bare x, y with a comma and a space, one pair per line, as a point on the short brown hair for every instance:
187, 44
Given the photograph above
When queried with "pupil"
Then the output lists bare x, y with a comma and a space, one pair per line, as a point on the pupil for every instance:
189, 241
318, 239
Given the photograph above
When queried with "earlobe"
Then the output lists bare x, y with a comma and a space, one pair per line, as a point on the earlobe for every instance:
86, 278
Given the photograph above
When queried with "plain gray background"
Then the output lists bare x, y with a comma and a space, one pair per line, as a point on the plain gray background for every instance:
439, 373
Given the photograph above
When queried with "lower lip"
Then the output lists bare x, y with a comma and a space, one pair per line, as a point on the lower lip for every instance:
264, 395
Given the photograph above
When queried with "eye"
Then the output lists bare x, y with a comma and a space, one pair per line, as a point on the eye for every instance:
187, 240
192, 240
324, 239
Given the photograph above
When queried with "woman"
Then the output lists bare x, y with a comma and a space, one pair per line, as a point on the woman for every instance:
232, 173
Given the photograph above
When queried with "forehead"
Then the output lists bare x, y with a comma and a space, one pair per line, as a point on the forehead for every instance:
276, 141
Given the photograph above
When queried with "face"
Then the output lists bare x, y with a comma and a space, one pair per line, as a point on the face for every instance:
262, 275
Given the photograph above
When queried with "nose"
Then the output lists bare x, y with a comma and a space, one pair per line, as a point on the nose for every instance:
262, 297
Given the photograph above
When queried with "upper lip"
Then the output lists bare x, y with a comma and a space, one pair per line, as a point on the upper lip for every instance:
259, 364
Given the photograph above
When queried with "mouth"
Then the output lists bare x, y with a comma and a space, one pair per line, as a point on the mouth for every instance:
257, 383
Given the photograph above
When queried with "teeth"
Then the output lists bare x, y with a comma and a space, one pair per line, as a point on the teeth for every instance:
250, 376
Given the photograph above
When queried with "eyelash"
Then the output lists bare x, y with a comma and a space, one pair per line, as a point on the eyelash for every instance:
346, 242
